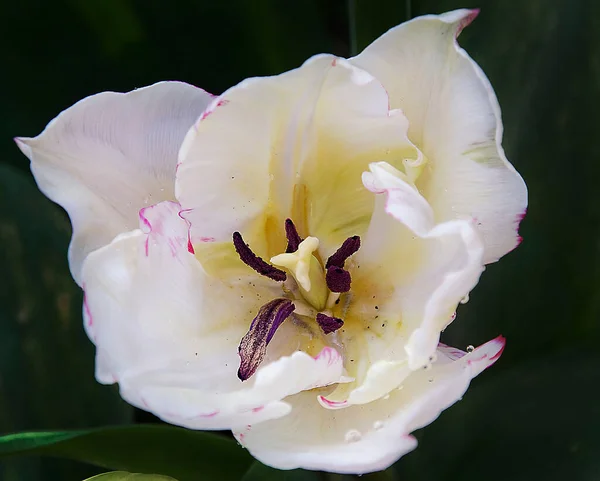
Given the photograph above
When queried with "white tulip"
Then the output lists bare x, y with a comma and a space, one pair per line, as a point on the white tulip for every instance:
370, 192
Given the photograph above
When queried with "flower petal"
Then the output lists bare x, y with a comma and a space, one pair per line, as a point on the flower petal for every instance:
367, 438
242, 152
353, 127
455, 121
188, 401
291, 146
111, 154
411, 274
431, 267
169, 334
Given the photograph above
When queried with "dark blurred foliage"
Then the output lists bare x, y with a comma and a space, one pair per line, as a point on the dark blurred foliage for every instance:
534, 416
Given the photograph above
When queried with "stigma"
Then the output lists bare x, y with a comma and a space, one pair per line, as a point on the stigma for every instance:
307, 271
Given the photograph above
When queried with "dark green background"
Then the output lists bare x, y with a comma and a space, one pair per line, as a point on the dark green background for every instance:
534, 416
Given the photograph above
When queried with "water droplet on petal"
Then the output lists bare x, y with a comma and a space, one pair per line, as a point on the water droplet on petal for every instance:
465, 299
430, 379
427, 366
470, 348
353, 436
377, 425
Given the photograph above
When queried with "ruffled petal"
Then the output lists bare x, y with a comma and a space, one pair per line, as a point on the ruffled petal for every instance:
455, 120
237, 163
429, 267
191, 398
353, 126
367, 438
110, 155
291, 146
169, 334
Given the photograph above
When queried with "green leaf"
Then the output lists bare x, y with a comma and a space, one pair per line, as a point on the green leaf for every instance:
123, 476
168, 450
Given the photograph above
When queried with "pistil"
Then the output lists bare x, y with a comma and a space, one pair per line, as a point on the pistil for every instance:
307, 271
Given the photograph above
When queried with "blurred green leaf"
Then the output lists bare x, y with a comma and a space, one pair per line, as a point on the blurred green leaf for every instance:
113, 22
46, 360
123, 476
168, 450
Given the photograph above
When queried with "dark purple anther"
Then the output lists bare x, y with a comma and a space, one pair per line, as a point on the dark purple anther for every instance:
349, 247
253, 345
252, 260
292, 236
329, 324
338, 279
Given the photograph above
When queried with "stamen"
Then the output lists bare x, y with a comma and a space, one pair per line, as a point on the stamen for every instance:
338, 279
252, 260
329, 324
292, 235
253, 345
349, 247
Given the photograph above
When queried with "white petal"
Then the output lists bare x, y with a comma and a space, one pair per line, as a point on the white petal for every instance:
366, 438
169, 334
111, 154
289, 146
187, 400
381, 377
224, 178
431, 276
455, 120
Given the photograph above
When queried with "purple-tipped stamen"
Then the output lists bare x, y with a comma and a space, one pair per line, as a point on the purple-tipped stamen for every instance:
252, 260
349, 247
338, 279
329, 324
253, 345
292, 235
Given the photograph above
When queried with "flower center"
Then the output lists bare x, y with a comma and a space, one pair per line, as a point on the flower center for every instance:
311, 290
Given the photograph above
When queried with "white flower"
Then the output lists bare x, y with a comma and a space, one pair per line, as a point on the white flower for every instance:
370, 193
